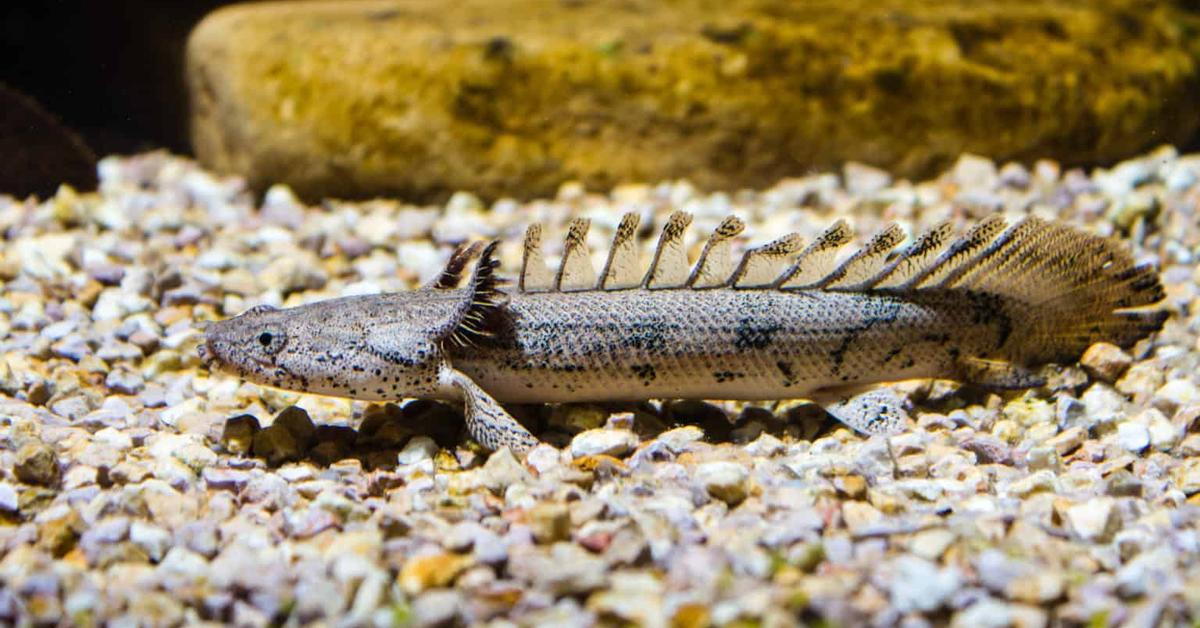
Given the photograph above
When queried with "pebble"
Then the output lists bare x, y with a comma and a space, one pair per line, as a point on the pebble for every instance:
36, 463
1133, 436
1094, 520
502, 471
596, 442
9, 502
918, 585
1175, 394
237, 437
726, 481
1105, 362
277, 445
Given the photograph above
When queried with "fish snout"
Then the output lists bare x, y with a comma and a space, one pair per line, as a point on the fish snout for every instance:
208, 356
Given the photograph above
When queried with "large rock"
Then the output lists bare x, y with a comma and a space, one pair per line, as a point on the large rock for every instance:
422, 97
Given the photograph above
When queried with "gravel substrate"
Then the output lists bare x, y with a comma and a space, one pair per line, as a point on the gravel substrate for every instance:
136, 488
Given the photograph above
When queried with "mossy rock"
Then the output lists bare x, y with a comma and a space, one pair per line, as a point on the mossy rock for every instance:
420, 98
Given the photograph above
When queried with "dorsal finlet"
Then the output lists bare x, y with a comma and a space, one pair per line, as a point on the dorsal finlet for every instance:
535, 277
866, 262
816, 261
761, 266
622, 270
715, 266
914, 258
576, 273
669, 268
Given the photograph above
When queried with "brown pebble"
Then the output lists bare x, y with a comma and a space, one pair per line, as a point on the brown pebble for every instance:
1105, 362
296, 420
277, 445
238, 435
36, 463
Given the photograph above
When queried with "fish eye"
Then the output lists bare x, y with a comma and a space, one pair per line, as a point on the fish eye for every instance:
271, 340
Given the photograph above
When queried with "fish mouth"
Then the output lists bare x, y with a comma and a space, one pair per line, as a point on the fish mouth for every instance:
208, 356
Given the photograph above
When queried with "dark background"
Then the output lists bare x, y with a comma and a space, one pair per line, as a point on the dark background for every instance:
112, 70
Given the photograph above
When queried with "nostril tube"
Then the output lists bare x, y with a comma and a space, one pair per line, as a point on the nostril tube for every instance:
206, 353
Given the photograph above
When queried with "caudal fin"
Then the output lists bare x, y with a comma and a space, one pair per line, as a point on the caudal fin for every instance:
1066, 288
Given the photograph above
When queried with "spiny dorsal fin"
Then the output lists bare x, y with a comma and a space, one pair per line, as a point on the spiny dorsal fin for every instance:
866, 262
451, 275
483, 300
960, 253
815, 262
669, 268
622, 270
575, 273
913, 259
760, 266
715, 266
535, 277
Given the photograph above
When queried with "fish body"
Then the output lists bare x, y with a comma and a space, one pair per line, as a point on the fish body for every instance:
786, 321
727, 344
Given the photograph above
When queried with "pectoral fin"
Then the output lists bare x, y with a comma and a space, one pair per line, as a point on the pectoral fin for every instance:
488, 422
997, 374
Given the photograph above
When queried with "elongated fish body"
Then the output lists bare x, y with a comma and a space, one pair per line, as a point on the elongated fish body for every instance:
788, 320
752, 344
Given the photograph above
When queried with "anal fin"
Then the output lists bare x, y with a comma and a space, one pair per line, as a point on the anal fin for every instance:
997, 374
877, 411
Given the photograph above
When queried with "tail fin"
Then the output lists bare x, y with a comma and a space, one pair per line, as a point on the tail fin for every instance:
1067, 288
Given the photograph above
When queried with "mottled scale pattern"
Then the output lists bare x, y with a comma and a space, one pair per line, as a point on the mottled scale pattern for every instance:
735, 344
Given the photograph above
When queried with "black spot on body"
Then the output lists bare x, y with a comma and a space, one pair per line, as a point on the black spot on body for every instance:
785, 369
645, 372
727, 376
751, 334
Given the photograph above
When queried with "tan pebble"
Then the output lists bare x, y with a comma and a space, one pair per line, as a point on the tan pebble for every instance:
1068, 440
36, 463
550, 522
1187, 476
1105, 362
58, 536
858, 515
1029, 411
437, 570
1186, 417
852, 486
1142, 379
726, 481
1094, 520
